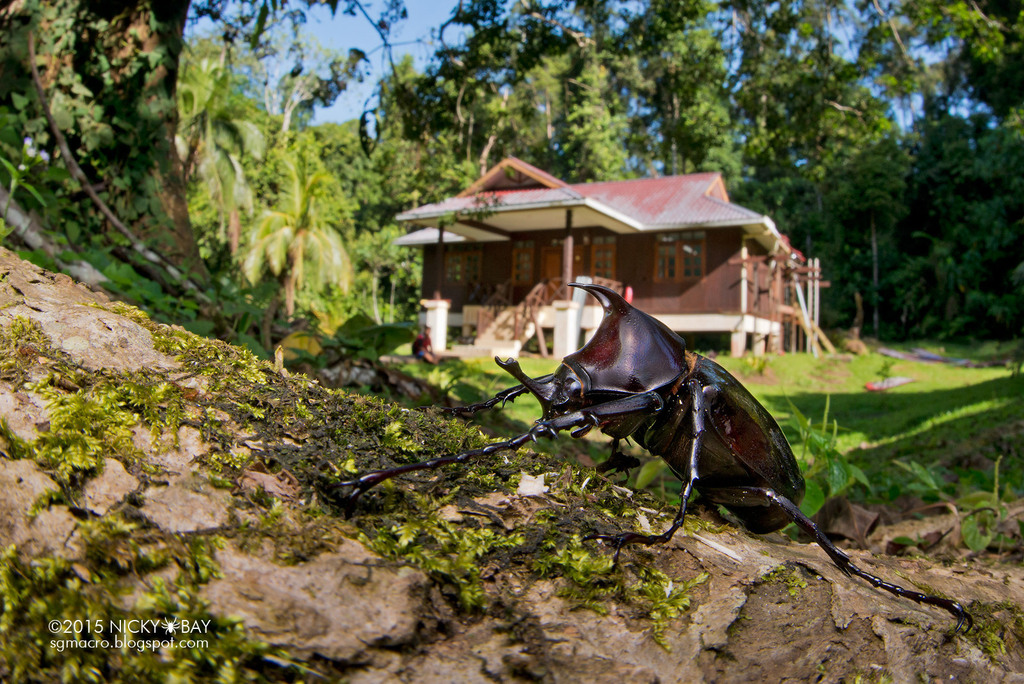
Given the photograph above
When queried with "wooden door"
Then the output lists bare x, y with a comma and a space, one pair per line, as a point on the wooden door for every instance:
551, 262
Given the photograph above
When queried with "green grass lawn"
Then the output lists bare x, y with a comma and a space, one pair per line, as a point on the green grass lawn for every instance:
955, 422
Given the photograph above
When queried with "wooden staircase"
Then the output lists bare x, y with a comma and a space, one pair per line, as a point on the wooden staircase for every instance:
503, 329
511, 327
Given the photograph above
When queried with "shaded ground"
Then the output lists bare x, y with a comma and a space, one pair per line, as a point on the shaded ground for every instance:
154, 476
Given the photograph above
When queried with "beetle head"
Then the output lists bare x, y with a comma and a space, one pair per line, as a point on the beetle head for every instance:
558, 394
630, 352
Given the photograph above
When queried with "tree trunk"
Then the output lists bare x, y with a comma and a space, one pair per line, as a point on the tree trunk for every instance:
874, 275
234, 230
290, 285
374, 275
110, 74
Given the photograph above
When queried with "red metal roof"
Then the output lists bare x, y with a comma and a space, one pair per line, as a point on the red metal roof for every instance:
652, 203
668, 201
692, 201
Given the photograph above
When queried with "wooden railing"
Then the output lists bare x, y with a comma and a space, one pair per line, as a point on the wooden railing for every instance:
528, 310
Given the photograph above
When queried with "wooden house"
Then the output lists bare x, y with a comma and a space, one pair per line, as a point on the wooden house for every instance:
496, 257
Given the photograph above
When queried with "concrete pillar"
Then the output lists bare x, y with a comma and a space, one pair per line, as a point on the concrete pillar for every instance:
738, 343
437, 321
760, 344
566, 333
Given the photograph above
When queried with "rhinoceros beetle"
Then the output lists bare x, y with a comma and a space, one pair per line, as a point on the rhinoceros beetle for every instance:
635, 379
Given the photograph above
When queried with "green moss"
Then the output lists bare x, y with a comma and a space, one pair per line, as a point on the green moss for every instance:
255, 417
84, 427
289, 536
593, 580
21, 342
447, 552
91, 413
994, 625
788, 575
666, 599
60, 621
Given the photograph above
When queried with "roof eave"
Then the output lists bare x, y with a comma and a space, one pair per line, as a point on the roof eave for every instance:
767, 227
413, 217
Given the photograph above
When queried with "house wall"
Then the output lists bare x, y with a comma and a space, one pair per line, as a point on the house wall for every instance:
760, 280
717, 292
495, 268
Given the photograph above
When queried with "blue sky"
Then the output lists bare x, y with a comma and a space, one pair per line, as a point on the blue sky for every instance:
411, 36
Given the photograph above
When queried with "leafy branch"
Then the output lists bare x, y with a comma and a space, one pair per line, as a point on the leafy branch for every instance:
79, 175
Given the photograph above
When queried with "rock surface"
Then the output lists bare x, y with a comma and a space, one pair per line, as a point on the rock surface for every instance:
258, 549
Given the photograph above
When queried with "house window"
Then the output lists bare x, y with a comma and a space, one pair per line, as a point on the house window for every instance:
522, 262
680, 256
462, 264
602, 256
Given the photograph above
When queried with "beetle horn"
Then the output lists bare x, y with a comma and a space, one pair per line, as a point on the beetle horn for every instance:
610, 299
631, 351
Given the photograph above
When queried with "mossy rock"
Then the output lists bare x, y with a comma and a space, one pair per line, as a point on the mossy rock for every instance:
181, 489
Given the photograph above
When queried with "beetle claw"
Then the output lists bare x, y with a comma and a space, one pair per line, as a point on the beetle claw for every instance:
542, 430
581, 432
592, 422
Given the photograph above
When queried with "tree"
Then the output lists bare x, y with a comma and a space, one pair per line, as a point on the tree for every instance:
669, 66
962, 233
213, 135
590, 142
294, 241
866, 199
109, 75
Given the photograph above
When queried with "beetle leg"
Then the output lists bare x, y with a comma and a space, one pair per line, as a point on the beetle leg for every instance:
618, 461
764, 496
602, 414
502, 397
581, 432
372, 479
697, 414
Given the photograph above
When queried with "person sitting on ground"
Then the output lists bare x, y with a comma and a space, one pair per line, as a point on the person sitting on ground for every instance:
422, 348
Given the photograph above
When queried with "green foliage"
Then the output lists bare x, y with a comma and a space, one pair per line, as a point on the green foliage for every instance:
359, 337
108, 79
822, 462
17, 174
832, 142
981, 512
213, 136
297, 238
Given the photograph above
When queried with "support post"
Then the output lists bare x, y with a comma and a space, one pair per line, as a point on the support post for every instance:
566, 328
439, 273
744, 255
437, 321
738, 343
760, 344
817, 292
567, 253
